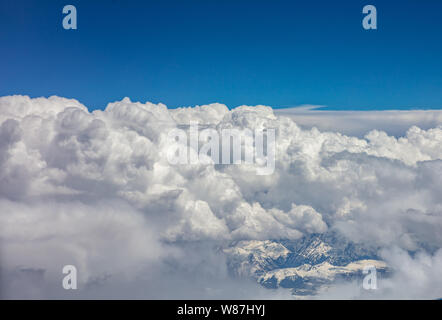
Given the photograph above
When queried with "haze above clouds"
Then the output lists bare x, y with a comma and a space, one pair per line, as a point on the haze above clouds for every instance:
359, 123
95, 189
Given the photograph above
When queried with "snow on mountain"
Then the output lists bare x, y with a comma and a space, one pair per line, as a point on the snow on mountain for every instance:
306, 266
250, 258
323, 271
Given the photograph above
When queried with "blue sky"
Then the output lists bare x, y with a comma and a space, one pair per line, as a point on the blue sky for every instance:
183, 53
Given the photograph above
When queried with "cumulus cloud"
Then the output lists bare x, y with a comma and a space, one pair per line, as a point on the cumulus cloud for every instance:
95, 189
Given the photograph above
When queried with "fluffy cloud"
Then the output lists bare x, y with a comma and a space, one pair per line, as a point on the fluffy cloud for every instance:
95, 189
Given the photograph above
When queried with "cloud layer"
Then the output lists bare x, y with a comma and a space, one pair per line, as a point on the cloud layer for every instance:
358, 123
95, 189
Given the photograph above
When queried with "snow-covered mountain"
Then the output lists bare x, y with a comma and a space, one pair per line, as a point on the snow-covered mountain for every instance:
306, 265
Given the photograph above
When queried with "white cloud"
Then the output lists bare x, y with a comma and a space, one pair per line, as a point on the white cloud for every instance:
96, 189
